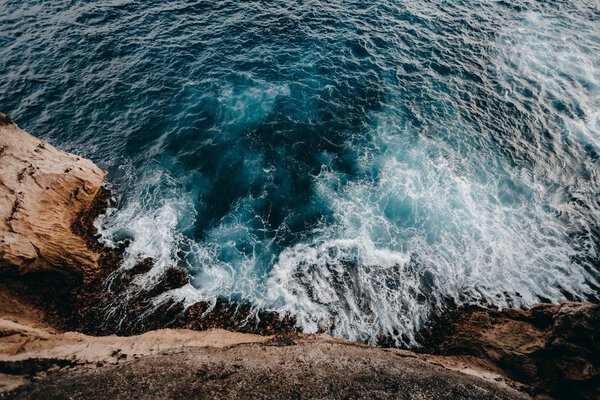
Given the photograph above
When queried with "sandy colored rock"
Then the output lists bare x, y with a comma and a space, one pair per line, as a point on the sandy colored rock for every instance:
42, 190
19, 342
37, 362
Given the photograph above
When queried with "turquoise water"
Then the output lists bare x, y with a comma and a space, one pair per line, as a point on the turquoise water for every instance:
358, 164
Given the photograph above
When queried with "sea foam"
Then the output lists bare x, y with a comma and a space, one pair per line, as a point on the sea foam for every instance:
360, 165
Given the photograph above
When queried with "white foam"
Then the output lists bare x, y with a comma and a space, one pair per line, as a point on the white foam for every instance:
434, 217
485, 231
346, 286
451, 216
151, 220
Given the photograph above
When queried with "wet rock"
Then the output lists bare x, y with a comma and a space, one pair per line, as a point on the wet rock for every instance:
5, 120
172, 278
143, 266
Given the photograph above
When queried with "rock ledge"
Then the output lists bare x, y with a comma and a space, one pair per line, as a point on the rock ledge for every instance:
42, 190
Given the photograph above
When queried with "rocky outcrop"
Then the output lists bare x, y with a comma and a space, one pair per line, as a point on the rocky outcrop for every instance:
554, 349
38, 362
50, 256
52, 268
42, 191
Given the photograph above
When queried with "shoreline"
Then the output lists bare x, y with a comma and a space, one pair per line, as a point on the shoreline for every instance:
54, 271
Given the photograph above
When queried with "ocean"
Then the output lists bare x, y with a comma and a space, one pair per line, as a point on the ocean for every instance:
359, 165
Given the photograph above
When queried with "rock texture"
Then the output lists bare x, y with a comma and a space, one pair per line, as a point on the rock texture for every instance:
313, 370
36, 362
42, 190
554, 349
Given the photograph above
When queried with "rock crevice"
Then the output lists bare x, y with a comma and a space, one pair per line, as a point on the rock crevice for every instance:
552, 348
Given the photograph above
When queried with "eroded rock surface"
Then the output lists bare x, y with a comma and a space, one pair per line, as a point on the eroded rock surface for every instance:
42, 190
37, 362
553, 348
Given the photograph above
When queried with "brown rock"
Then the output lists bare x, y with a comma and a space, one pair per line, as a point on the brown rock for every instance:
552, 348
42, 190
217, 364
5, 120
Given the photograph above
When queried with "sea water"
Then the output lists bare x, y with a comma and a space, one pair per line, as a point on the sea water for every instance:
357, 164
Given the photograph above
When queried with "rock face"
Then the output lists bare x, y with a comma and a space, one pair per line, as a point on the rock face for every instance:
42, 190
553, 348
178, 364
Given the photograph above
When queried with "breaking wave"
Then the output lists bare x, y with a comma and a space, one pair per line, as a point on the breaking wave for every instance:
358, 165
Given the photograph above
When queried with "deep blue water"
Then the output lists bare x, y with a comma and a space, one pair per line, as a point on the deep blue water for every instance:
356, 163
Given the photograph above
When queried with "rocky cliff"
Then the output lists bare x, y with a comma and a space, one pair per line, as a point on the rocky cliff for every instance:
38, 362
550, 348
42, 191
52, 271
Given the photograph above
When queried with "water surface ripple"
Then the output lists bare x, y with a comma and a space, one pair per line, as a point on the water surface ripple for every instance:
358, 164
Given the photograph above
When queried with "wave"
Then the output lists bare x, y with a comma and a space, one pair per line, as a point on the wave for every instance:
359, 170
